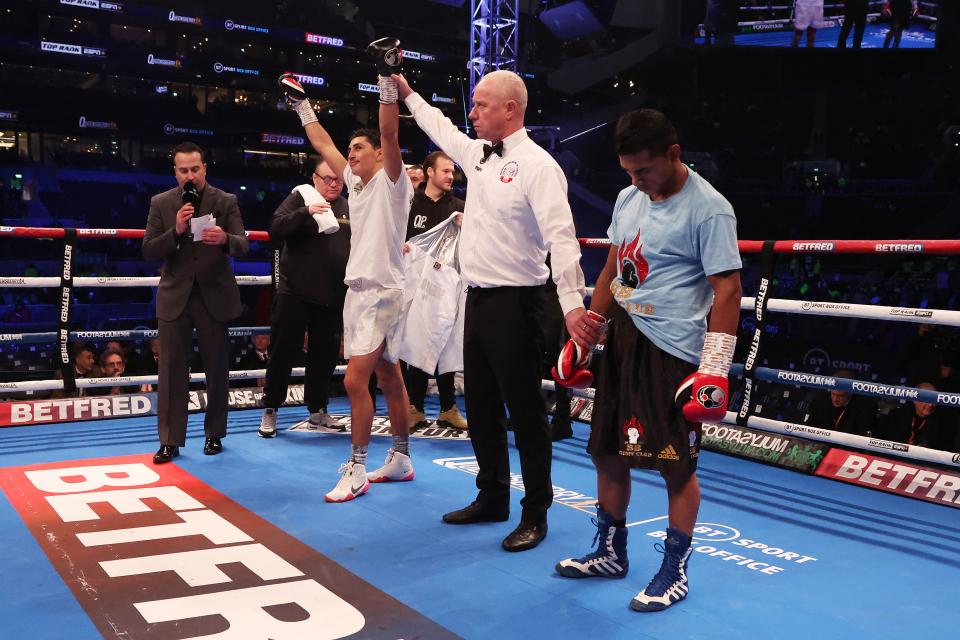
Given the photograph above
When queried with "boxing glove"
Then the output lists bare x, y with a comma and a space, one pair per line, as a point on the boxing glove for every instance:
296, 98
702, 396
573, 366
387, 55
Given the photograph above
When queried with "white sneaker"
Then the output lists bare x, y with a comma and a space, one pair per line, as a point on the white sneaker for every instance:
353, 482
324, 422
396, 468
268, 424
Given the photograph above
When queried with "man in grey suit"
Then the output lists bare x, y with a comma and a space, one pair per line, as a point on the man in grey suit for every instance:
197, 290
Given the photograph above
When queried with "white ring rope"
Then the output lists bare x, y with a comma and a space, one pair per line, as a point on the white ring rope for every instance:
869, 311
850, 310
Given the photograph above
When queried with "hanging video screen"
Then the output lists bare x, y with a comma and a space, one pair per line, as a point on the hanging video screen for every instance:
867, 24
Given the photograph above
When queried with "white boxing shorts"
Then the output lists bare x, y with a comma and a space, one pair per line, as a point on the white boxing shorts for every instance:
808, 14
371, 316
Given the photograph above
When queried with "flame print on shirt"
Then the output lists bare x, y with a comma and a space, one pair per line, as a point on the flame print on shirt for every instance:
633, 268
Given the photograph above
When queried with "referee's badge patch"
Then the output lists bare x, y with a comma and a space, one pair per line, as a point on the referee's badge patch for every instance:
509, 172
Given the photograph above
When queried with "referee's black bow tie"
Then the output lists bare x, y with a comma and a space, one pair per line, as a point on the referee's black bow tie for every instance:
488, 150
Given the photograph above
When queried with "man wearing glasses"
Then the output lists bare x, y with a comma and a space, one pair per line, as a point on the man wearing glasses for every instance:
313, 223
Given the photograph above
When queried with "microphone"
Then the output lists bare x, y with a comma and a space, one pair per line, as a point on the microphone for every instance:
190, 194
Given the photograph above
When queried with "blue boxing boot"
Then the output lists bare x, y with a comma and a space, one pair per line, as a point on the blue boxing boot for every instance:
610, 558
669, 586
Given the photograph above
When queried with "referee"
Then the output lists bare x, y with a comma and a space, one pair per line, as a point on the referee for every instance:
516, 211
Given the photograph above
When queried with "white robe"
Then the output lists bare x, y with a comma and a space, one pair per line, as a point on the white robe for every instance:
433, 301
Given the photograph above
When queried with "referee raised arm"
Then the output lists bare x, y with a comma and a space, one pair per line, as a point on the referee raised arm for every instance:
516, 211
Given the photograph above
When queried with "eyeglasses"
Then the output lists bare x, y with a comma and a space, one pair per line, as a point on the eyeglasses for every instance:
329, 180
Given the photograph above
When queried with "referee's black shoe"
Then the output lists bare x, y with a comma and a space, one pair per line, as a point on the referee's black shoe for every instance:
527, 535
476, 512
166, 453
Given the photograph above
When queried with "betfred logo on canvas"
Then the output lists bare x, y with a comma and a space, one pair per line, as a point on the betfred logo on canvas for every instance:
153, 552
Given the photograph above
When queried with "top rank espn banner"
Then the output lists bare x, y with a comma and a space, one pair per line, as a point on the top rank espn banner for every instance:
150, 551
905, 478
25, 412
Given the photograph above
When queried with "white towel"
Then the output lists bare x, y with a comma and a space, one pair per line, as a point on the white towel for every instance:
326, 221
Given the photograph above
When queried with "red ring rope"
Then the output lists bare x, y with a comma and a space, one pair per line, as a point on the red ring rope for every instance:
917, 247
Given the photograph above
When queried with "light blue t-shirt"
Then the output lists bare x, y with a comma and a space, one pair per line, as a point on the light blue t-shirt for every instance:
666, 251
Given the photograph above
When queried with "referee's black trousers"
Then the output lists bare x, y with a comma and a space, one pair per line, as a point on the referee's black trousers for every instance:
502, 351
292, 316
855, 18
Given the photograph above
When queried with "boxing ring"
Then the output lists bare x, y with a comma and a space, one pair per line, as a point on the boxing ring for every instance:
103, 543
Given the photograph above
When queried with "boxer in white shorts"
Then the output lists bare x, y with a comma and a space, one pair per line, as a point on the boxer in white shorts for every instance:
379, 193
807, 16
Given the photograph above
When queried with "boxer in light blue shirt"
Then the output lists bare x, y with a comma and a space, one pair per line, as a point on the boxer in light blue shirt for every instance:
673, 262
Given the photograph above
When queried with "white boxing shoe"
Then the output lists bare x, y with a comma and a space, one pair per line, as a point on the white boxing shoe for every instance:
396, 468
353, 483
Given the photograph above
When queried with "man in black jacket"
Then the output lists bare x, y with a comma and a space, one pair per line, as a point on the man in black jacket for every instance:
923, 424
433, 202
842, 411
310, 292
198, 290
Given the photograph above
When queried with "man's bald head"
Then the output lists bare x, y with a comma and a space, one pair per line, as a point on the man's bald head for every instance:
507, 85
499, 103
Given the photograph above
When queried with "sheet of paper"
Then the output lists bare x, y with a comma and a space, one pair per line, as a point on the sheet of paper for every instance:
197, 225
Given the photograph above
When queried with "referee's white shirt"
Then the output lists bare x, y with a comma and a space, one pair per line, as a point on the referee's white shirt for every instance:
516, 211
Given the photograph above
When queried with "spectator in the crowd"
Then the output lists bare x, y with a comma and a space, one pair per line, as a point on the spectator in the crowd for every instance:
415, 172
258, 357
844, 412
83, 367
924, 424
20, 314
948, 378
920, 356
112, 365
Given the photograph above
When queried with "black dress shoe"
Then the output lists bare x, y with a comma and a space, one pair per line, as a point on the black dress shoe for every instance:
526, 536
212, 446
166, 453
476, 512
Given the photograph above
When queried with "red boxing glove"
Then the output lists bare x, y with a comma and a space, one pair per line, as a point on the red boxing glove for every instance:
702, 397
573, 364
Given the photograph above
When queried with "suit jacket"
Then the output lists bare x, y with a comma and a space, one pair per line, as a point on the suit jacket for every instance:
186, 261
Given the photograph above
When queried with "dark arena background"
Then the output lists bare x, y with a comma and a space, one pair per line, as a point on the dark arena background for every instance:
820, 515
